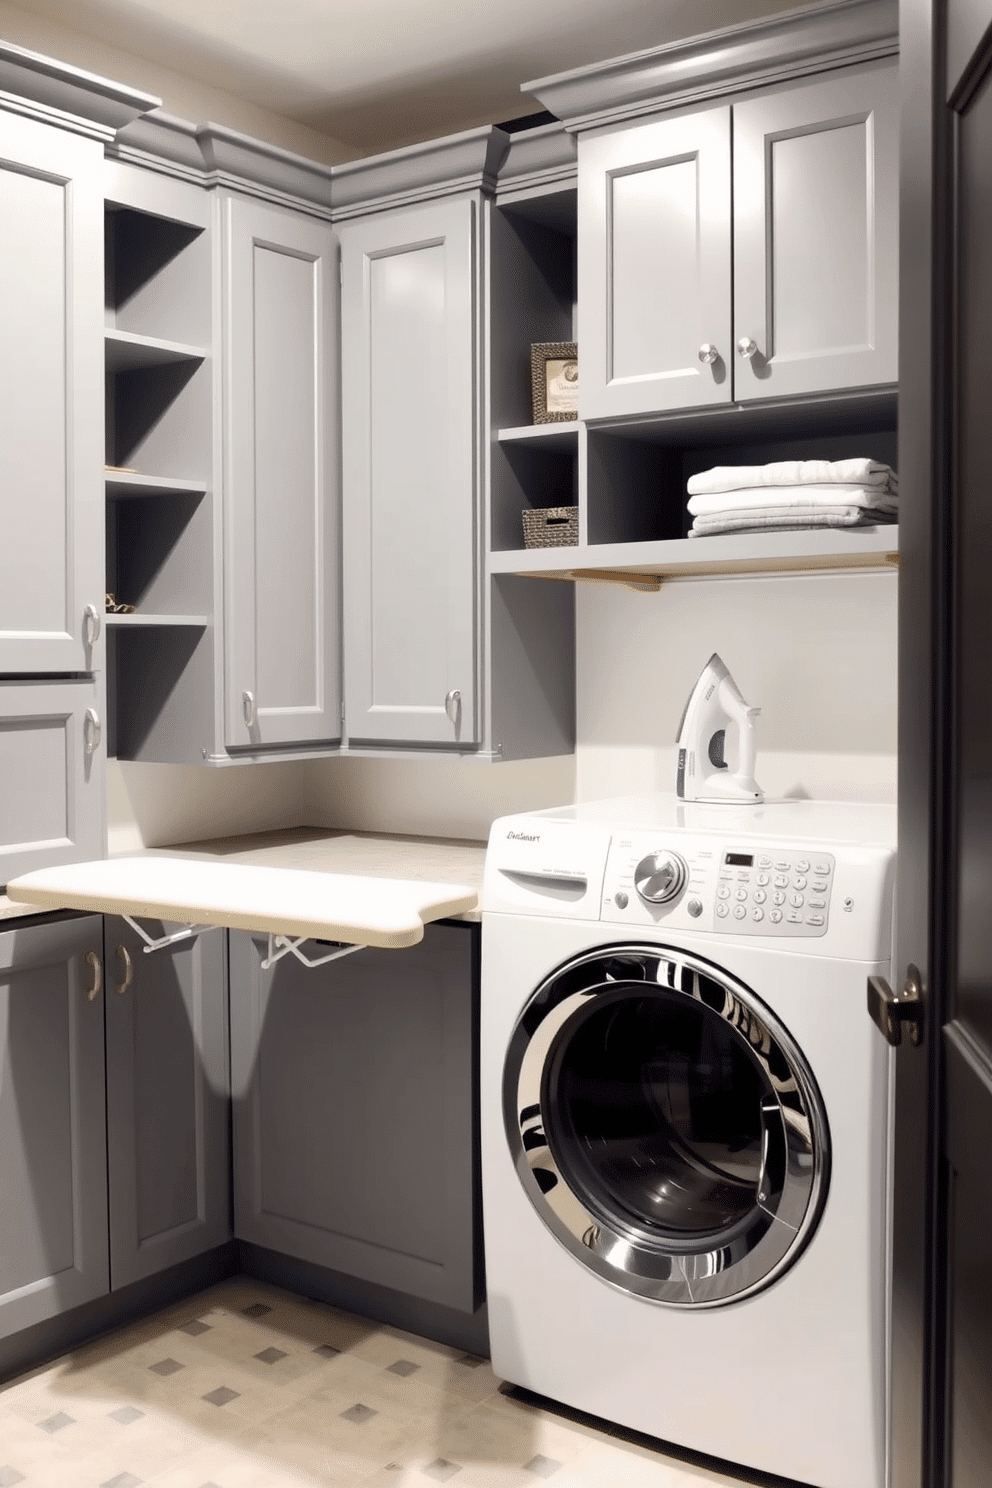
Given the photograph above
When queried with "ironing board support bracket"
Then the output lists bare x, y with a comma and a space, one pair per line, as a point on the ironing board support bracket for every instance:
285, 945
158, 943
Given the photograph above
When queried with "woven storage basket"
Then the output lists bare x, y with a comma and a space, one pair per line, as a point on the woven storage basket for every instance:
551, 527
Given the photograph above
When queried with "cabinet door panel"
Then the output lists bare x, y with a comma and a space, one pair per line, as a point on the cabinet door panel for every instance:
283, 678
52, 767
353, 1117
410, 405
815, 235
167, 1100
654, 266
53, 1215
51, 397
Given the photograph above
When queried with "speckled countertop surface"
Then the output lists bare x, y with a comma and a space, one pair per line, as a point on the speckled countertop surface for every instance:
323, 850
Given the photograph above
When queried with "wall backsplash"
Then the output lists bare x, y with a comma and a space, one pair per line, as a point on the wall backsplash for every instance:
816, 652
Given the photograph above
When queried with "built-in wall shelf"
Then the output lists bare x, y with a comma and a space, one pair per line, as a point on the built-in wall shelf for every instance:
126, 351
122, 485
130, 621
690, 558
564, 436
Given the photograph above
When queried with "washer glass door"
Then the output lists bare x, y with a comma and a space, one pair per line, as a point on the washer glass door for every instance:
665, 1126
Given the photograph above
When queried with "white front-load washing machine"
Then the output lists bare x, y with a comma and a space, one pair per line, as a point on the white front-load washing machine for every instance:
685, 1113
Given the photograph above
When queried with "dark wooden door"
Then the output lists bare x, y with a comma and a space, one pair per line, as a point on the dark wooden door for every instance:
942, 1296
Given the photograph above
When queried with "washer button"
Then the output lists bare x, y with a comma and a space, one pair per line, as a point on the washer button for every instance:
781, 880
816, 903
796, 900
740, 913
723, 892
757, 914
821, 868
819, 887
760, 896
620, 899
775, 916
722, 911
741, 894
695, 908
799, 883
764, 861
778, 897
794, 917
763, 879
814, 919
802, 865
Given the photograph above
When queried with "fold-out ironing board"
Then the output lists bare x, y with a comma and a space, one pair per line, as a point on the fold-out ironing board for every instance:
289, 903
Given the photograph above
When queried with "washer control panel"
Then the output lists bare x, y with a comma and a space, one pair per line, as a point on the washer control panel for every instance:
706, 885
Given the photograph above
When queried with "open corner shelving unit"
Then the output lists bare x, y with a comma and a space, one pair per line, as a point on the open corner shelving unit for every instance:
161, 527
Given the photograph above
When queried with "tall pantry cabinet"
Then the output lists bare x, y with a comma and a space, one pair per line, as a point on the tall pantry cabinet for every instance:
52, 669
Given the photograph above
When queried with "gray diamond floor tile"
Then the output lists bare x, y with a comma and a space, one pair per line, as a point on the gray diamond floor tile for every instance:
327, 1350
402, 1367
127, 1414
122, 1480
256, 1310
359, 1414
271, 1355
166, 1366
542, 1467
195, 1328
56, 1423
221, 1395
9, 1476
470, 1361
441, 1470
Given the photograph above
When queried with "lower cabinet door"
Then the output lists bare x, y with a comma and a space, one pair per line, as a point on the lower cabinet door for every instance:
167, 1099
353, 1111
52, 767
53, 1175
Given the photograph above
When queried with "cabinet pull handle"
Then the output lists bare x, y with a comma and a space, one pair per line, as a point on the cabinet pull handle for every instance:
92, 993
452, 703
248, 709
91, 625
92, 732
128, 964
746, 347
708, 353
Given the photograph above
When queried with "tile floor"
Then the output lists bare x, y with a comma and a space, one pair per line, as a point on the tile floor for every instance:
246, 1386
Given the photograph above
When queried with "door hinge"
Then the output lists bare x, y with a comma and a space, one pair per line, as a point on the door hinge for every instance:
890, 1010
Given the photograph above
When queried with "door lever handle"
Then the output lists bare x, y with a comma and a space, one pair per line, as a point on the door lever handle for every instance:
890, 1011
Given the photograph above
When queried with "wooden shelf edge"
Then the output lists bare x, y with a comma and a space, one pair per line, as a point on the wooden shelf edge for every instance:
119, 484
565, 433
137, 622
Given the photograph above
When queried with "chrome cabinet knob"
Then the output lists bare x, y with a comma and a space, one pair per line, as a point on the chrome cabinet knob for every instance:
91, 625
453, 703
660, 877
249, 710
708, 353
746, 347
92, 731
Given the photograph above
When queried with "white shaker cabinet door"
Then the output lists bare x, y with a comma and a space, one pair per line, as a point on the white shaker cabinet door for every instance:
51, 398
816, 222
654, 269
281, 477
409, 400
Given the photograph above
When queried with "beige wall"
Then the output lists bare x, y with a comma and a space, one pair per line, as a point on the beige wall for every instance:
180, 95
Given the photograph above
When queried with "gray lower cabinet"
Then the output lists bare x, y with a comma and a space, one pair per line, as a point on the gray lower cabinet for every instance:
53, 1174
281, 498
410, 410
51, 398
354, 1122
52, 765
168, 1095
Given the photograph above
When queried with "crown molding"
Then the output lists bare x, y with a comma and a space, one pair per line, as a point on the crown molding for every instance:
469, 161
69, 96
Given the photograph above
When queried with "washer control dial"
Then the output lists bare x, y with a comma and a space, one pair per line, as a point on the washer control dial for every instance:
660, 877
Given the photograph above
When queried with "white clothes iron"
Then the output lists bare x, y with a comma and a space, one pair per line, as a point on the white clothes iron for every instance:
703, 772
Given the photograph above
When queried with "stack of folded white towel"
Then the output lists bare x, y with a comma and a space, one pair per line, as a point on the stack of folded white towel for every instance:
792, 494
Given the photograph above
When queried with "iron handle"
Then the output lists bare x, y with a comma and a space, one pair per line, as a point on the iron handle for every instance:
92, 732
96, 966
91, 625
128, 963
248, 709
746, 347
452, 704
889, 1010
708, 353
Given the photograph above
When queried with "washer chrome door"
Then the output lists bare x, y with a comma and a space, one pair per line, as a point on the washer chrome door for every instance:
665, 1125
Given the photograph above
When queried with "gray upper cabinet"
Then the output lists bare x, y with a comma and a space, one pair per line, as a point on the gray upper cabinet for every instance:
51, 398
654, 266
353, 1111
52, 766
167, 1099
281, 477
803, 228
410, 404
53, 1174
816, 226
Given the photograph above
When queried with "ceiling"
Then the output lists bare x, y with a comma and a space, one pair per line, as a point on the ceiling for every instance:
378, 73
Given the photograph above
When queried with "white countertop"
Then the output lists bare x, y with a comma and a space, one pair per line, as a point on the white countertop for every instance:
322, 850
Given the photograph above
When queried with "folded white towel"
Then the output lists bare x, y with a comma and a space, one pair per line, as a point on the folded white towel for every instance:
855, 472
789, 519
774, 497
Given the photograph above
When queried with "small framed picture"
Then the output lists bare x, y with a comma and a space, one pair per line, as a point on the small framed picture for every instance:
554, 375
